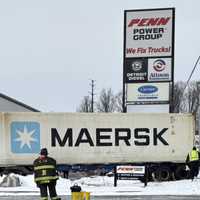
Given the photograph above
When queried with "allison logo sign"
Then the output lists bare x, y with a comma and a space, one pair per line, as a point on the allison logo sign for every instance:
147, 89
159, 69
159, 65
144, 92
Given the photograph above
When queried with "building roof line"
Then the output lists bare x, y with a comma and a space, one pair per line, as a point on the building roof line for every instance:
18, 103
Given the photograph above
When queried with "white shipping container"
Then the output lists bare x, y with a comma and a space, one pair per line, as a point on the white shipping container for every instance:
89, 138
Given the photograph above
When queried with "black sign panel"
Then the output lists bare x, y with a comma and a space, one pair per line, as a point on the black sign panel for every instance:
136, 70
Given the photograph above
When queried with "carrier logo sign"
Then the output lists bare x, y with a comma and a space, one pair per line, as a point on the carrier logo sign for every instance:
147, 89
148, 92
25, 137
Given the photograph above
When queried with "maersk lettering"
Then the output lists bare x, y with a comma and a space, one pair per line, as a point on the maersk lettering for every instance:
146, 138
81, 139
55, 136
103, 137
100, 137
157, 136
119, 137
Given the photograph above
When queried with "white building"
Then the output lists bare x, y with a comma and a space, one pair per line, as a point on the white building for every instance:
8, 104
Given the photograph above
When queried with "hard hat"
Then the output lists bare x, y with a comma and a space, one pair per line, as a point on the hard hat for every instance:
44, 152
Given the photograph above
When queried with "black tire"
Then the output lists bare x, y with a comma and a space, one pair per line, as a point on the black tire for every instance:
181, 173
161, 174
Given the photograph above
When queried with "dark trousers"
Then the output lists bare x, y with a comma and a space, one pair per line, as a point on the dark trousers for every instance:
51, 187
194, 169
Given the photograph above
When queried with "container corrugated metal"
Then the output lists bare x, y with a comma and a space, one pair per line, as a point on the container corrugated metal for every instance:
89, 138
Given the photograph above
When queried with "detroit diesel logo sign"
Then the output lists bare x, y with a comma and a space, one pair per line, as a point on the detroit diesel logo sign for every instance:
25, 137
136, 66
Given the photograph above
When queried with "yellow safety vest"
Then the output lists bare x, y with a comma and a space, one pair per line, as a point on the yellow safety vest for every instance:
194, 155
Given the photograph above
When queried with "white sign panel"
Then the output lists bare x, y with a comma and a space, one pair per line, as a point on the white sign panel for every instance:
153, 108
128, 169
148, 33
159, 69
150, 92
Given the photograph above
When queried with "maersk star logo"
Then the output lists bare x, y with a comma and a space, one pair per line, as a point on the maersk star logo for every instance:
25, 137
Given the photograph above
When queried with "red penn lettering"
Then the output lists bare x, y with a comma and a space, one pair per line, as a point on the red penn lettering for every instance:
149, 21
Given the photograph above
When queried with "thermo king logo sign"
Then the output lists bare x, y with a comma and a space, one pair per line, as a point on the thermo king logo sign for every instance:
25, 137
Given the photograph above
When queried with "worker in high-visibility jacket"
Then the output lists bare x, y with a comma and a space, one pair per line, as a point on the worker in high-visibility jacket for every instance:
45, 175
192, 161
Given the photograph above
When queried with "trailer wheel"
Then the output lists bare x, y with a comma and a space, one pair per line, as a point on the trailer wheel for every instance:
181, 173
161, 174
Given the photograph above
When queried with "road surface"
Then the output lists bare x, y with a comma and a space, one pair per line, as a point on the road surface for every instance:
146, 197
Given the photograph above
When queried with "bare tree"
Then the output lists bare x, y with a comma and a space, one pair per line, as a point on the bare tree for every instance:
179, 98
106, 101
193, 97
193, 100
85, 105
118, 102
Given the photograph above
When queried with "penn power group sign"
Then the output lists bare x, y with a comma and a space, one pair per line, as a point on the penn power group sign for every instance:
148, 74
148, 33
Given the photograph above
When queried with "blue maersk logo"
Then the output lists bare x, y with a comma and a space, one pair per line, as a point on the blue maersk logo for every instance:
25, 137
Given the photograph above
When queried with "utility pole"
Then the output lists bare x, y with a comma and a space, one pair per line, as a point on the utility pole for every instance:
92, 95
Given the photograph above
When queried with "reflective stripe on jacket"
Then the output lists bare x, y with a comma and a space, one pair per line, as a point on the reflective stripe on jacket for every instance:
194, 155
45, 170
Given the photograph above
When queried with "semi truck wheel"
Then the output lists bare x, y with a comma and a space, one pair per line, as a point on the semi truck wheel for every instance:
181, 173
161, 174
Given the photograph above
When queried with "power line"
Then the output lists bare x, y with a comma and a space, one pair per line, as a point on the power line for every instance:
92, 95
191, 74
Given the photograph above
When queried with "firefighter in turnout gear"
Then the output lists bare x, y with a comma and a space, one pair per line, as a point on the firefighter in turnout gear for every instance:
45, 175
192, 161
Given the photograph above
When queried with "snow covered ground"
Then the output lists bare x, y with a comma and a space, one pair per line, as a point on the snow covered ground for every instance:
102, 185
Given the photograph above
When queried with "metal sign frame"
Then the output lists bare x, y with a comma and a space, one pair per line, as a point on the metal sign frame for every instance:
138, 57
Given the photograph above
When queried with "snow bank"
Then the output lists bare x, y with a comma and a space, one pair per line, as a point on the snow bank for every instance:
102, 185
